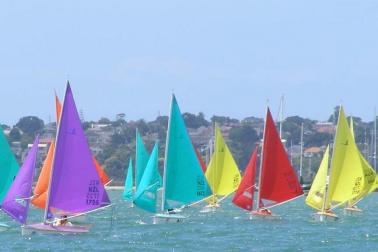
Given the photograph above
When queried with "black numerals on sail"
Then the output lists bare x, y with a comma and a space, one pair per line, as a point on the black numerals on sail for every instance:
93, 193
357, 185
200, 186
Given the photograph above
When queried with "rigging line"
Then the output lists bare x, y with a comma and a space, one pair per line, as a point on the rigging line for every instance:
80, 214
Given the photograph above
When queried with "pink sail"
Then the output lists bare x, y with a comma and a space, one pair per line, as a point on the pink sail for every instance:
75, 185
17, 199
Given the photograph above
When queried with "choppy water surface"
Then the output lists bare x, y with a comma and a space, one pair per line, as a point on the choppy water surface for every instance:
228, 229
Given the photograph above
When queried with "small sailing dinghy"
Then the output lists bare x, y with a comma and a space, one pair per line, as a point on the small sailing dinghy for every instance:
40, 191
17, 199
278, 182
244, 195
128, 191
346, 180
9, 169
370, 176
183, 180
222, 173
141, 159
75, 186
146, 195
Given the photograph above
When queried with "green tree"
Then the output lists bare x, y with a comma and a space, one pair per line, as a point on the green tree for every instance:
30, 125
243, 139
14, 135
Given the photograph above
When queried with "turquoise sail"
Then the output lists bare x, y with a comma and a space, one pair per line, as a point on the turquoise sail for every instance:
8, 166
184, 181
128, 191
145, 196
141, 159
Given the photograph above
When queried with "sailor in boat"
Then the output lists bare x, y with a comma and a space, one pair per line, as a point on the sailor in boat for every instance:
63, 221
266, 211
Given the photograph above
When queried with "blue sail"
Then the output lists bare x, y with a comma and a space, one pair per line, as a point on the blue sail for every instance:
184, 181
128, 191
145, 196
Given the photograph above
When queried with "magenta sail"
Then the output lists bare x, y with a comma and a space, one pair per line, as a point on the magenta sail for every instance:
16, 201
75, 186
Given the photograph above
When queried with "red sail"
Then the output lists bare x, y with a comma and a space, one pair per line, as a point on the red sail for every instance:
279, 182
244, 195
200, 159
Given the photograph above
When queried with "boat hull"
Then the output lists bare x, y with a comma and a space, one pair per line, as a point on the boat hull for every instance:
325, 216
171, 218
262, 214
49, 228
352, 210
4, 227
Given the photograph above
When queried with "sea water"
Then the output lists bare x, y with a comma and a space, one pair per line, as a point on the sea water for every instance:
227, 229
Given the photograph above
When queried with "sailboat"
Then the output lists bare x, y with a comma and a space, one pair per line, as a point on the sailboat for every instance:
278, 182
41, 188
129, 187
16, 201
9, 169
183, 180
369, 174
8, 165
141, 159
222, 173
146, 195
344, 180
75, 186
244, 195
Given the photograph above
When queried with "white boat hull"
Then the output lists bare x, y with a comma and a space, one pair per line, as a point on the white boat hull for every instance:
49, 228
323, 216
4, 227
168, 218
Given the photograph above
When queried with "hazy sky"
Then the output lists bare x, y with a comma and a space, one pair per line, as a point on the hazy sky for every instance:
220, 57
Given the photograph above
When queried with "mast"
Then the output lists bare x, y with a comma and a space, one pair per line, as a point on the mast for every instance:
301, 157
53, 162
375, 141
281, 114
261, 161
166, 155
136, 155
326, 191
215, 151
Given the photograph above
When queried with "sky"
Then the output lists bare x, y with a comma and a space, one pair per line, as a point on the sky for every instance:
218, 57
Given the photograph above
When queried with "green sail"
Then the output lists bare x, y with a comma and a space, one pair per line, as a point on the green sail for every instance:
141, 159
8, 166
128, 191
184, 181
145, 196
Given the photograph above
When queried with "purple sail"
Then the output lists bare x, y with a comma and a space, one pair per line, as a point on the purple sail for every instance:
16, 201
75, 185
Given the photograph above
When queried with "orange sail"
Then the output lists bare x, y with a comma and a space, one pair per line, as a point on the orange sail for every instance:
103, 176
278, 181
58, 108
40, 190
244, 195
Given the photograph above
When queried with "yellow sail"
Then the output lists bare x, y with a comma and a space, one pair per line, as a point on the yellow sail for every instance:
369, 175
315, 197
351, 176
222, 173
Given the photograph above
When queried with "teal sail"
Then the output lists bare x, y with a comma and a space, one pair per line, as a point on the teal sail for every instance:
184, 181
145, 196
128, 191
141, 159
8, 166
